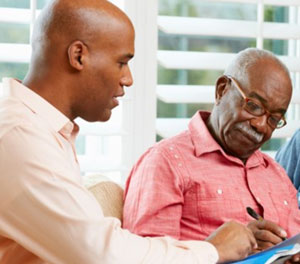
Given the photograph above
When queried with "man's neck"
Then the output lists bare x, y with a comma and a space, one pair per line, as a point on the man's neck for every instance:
52, 92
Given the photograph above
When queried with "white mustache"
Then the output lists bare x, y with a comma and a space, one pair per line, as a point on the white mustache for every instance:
258, 137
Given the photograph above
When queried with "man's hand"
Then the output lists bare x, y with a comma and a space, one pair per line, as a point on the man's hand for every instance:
293, 260
267, 233
233, 241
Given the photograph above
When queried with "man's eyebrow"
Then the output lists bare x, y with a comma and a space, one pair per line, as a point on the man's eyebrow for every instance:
128, 56
257, 96
265, 102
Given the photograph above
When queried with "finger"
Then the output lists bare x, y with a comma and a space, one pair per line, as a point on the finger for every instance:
264, 245
267, 236
252, 239
257, 250
272, 227
293, 260
296, 258
290, 261
252, 224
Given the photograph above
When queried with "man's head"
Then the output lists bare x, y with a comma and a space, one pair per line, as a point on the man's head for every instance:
81, 50
251, 97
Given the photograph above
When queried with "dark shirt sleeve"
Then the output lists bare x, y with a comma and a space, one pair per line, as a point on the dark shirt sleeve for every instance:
288, 157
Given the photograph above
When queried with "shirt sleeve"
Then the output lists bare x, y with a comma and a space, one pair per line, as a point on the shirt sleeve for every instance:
154, 196
47, 211
290, 207
289, 158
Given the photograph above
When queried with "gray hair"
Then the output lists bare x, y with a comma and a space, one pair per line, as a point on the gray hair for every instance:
245, 59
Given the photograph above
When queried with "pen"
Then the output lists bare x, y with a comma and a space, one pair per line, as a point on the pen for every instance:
256, 216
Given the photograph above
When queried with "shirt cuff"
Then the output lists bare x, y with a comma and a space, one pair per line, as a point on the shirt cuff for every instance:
205, 251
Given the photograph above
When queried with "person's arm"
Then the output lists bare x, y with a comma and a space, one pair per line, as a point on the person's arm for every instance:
288, 157
45, 209
154, 196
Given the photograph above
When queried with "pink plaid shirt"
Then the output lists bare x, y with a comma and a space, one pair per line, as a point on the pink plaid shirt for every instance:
187, 186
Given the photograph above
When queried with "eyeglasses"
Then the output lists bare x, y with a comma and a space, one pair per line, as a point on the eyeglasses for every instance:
255, 108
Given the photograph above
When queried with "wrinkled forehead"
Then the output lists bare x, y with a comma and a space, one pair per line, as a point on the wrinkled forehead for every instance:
270, 81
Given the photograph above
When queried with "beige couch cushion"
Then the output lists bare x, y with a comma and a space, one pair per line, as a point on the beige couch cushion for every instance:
110, 197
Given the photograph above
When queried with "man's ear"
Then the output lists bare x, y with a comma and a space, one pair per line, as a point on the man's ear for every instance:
222, 86
77, 53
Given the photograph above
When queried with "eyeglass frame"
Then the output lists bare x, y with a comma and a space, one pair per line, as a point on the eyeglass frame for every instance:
247, 99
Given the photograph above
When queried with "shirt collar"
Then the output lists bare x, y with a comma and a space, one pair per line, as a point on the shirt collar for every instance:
37, 104
204, 142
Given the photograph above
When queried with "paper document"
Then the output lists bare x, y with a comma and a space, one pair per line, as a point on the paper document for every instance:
283, 253
274, 254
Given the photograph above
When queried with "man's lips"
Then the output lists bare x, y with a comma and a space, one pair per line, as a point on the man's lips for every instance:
116, 100
250, 138
119, 95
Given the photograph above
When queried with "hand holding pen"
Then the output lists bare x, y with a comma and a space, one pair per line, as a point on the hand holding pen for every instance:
267, 233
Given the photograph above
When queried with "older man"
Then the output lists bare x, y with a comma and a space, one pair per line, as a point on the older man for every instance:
79, 67
188, 185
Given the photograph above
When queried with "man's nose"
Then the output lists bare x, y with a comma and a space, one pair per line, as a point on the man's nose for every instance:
260, 123
127, 80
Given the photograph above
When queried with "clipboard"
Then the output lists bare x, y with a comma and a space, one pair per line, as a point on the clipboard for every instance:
275, 255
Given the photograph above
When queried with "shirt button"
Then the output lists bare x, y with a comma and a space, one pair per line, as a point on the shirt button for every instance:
285, 202
257, 199
179, 164
219, 191
176, 156
171, 148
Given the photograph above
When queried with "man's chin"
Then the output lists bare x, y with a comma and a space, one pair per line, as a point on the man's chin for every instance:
242, 154
240, 151
103, 117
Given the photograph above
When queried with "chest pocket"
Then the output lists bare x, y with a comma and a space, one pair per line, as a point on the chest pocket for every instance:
280, 210
219, 204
